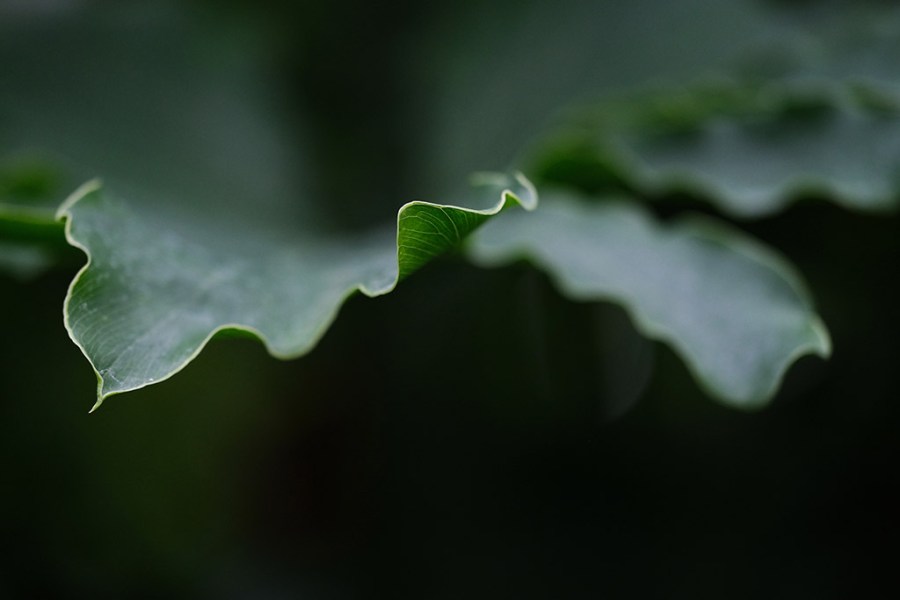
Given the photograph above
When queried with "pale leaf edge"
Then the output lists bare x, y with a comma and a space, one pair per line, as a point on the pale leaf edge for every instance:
508, 198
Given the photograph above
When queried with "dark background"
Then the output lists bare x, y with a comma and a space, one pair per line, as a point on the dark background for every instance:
502, 455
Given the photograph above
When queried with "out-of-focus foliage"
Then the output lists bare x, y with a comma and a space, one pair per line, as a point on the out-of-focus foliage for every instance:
30, 237
750, 149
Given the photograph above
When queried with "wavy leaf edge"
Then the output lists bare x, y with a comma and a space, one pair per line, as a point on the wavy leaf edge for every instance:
716, 231
508, 198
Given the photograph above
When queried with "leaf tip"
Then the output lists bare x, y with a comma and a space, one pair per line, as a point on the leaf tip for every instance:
96, 404
825, 347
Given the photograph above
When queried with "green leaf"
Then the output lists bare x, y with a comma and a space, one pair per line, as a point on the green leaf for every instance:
160, 284
210, 218
731, 308
749, 151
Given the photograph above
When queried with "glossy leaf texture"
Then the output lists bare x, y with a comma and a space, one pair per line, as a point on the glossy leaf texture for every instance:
153, 294
731, 308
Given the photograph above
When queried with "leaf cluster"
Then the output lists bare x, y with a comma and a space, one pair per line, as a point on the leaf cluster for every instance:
208, 216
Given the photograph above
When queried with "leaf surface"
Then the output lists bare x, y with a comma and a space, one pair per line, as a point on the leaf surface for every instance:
158, 286
731, 308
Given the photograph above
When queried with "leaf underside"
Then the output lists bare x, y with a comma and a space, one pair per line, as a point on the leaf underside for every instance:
731, 309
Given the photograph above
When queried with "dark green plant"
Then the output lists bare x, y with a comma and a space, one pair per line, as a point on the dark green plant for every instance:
208, 216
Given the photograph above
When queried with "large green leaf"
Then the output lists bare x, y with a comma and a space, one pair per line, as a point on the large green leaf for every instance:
209, 219
748, 150
157, 286
730, 307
